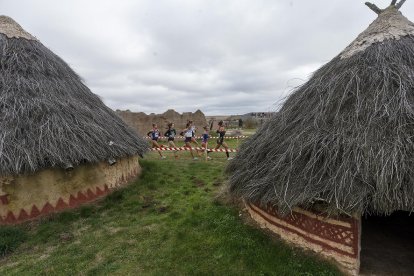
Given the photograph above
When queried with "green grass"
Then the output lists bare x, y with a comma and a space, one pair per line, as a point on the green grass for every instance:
167, 222
10, 239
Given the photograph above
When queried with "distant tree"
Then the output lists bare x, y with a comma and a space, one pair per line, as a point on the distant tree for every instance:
250, 123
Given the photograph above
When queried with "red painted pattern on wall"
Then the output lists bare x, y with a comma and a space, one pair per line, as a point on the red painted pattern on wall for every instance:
48, 208
61, 205
4, 199
74, 201
331, 232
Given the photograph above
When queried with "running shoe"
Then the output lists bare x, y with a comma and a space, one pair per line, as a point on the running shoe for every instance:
195, 158
230, 158
163, 157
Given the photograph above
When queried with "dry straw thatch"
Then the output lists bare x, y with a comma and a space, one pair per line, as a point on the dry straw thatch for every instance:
344, 140
48, 117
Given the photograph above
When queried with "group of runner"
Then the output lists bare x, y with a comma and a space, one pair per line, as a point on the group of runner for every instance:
189, 138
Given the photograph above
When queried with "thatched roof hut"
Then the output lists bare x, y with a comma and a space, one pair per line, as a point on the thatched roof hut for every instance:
343, 142
50, 120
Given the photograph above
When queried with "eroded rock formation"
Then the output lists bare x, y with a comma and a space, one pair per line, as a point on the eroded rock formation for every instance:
142, 122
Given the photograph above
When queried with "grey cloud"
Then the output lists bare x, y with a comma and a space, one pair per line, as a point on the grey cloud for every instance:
226, 57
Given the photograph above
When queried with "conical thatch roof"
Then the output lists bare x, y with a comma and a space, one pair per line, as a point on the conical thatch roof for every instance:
48, 116
345, 139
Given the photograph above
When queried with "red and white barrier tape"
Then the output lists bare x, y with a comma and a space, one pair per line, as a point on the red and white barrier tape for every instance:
187, 148
199, 137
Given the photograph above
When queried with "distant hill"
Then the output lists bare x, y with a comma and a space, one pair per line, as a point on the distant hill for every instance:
142, 122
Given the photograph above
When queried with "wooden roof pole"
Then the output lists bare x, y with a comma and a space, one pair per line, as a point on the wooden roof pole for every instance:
373, 7
377, 10
398, 6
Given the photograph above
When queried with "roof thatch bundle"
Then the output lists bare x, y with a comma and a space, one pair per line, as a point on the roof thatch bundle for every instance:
345, 138
48, 117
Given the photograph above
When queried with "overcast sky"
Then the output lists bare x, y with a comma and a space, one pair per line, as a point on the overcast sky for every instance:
220, 56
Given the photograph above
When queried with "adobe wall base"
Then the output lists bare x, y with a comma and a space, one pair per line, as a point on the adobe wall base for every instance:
25, 197
337, 239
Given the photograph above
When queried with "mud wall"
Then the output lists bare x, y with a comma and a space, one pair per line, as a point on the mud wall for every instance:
25, 197
333, 238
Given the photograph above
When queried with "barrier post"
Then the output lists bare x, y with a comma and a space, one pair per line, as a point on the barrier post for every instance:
206, 152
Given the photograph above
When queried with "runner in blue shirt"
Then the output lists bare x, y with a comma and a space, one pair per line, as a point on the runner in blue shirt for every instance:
204, 140
154, 134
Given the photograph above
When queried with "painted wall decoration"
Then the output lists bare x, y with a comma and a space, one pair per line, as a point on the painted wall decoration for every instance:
25, 197
334, 238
